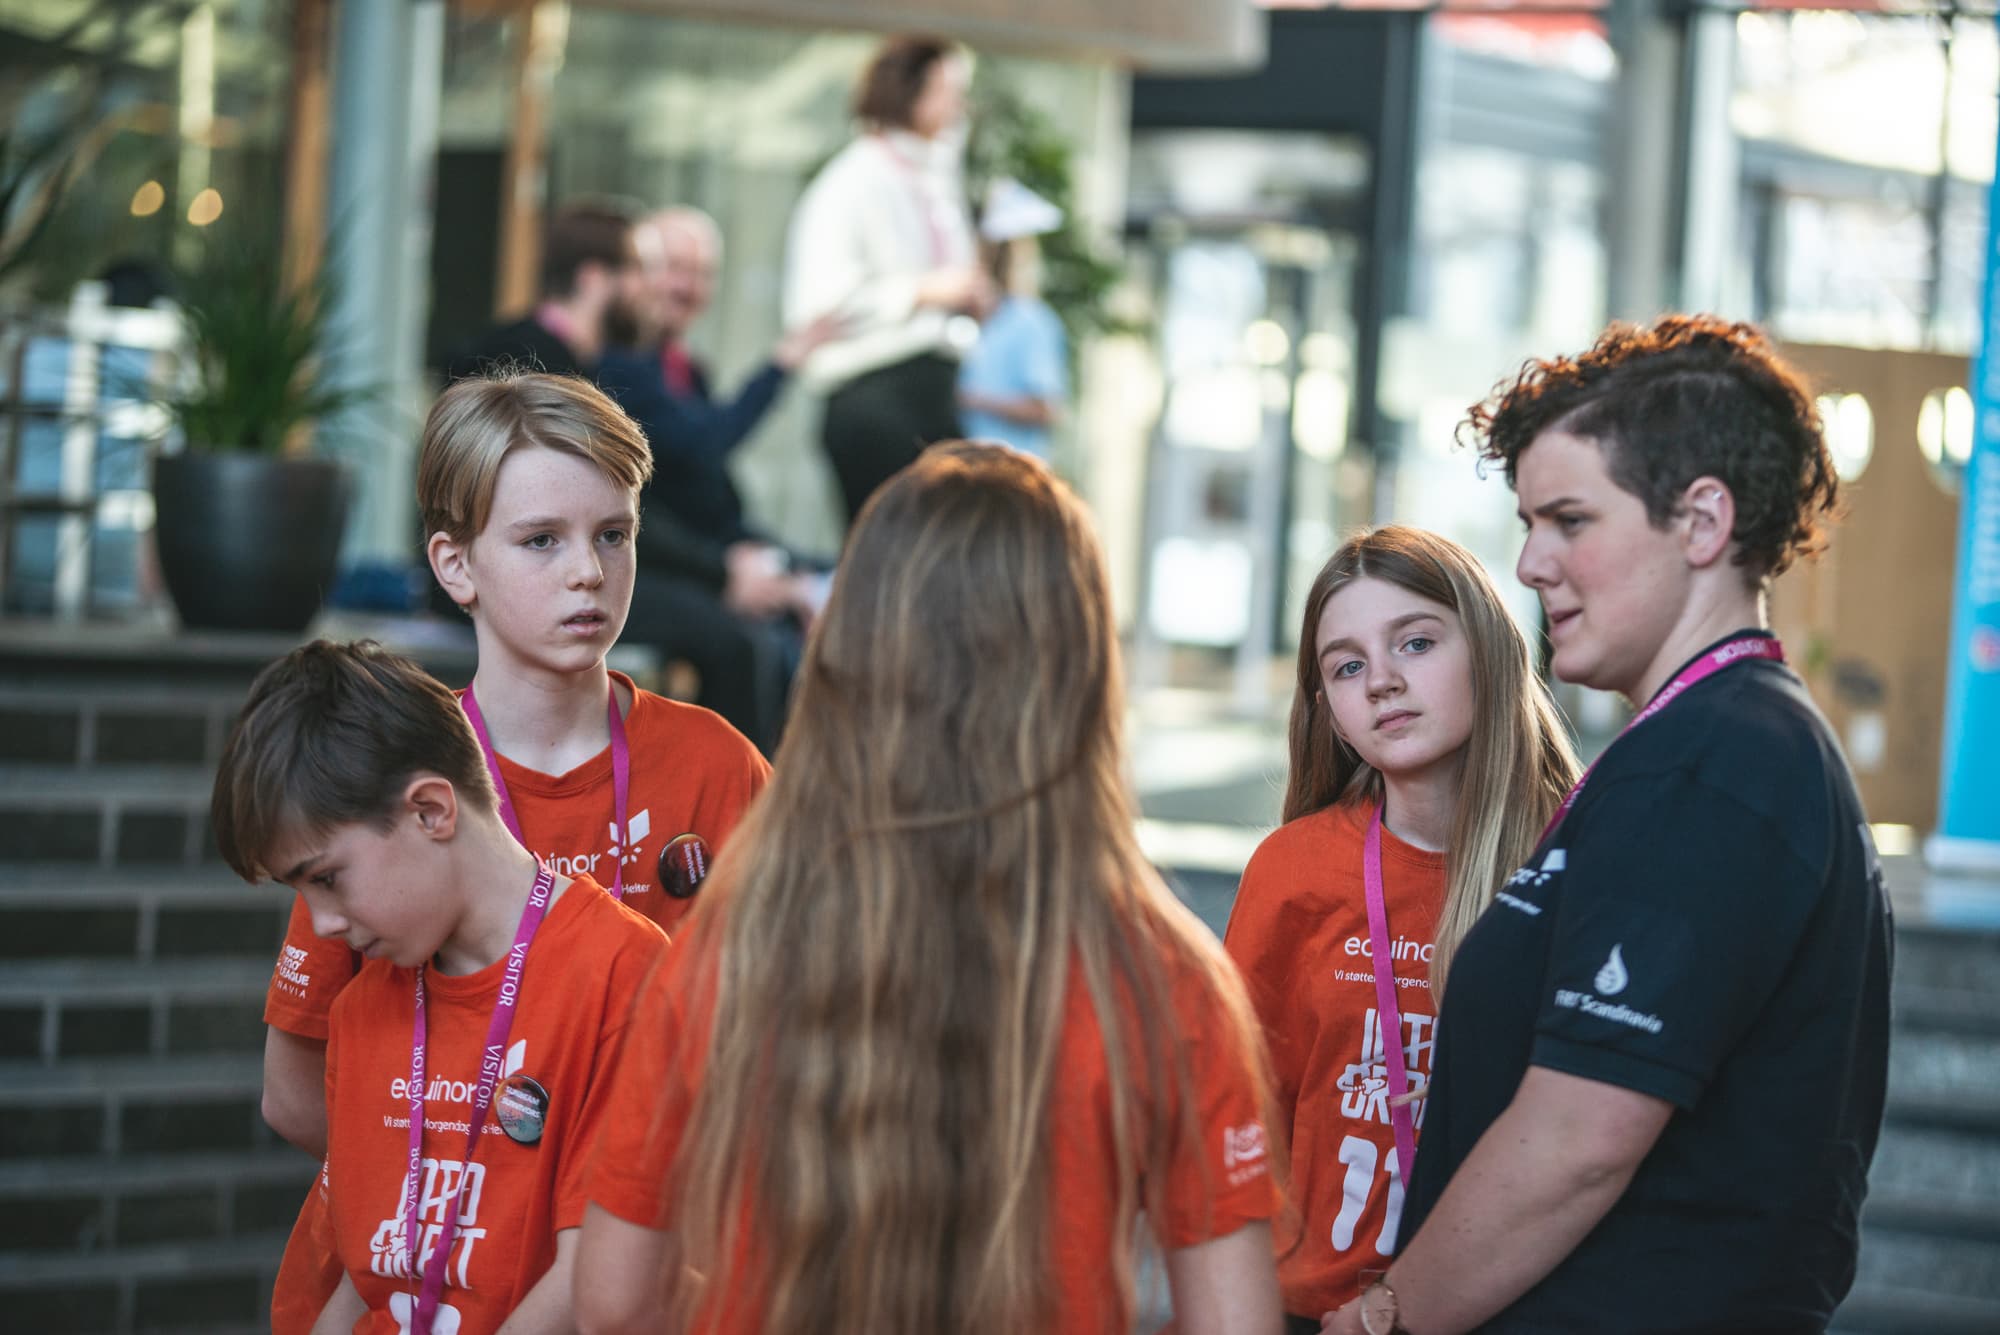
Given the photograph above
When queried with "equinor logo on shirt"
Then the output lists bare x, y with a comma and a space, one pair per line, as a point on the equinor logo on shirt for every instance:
601, 867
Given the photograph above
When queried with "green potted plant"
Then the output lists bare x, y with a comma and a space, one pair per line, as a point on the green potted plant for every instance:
248, 524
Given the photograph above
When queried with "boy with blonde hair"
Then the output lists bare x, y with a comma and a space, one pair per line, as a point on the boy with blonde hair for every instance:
528, 485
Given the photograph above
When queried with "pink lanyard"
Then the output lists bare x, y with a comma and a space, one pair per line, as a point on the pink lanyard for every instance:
925, 204
482, 1099
1388, 1016
1738, 650
621, 779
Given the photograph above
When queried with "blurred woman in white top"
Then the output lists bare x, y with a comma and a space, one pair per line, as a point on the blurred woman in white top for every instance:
883, 238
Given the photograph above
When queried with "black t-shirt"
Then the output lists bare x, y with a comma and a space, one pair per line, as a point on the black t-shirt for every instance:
1707, 926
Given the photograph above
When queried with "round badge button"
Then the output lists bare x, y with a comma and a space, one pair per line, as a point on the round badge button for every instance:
683, 866
522, 1107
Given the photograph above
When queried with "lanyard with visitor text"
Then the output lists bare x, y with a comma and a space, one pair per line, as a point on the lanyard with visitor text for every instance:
1388, 1015
1739, 650
940, 247
490, 1066
621, 779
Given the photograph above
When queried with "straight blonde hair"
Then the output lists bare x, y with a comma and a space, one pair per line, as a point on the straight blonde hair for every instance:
947, 841
478, 421
1518, 762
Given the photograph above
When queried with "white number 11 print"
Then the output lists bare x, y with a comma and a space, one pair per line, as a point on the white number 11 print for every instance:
1359, 1154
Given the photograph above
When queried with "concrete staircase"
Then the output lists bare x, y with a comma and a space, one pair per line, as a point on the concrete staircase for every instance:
139, 1187
1930, 1238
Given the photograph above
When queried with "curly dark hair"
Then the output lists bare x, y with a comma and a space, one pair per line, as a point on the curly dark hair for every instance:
1686, 397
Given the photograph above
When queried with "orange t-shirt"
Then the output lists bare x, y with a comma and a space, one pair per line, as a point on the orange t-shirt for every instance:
691, 773
1211, 1193
1299, 933
583, 968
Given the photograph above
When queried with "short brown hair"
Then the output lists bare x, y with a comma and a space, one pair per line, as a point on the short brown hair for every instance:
592, 232
895, 78
330, 736
1686, 397
479, 420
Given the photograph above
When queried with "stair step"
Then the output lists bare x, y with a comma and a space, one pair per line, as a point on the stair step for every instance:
62, 913
44, 786
104, 815
1977, 1113
1938, 1214
151, 1171
90, 980
1936, 1262
1946, 1063
1948, 957
1945, 1160
1920, 1008
136, 722
57, 1206
22, 1084
1902, 1309
214, 1287
144, 1105
206, 885
60, 1010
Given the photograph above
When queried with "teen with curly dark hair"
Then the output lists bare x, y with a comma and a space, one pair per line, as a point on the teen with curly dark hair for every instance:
1661, 1060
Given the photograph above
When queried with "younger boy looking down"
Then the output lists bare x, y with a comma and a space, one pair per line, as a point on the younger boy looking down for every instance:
467, 1062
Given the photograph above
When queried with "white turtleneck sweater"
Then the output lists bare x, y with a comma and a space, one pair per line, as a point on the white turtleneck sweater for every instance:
889, 208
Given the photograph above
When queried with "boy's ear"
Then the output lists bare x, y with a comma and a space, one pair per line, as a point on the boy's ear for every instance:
453, 570
434, 802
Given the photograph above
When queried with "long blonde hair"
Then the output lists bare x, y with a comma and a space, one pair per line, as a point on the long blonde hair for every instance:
890, 936
1518, 761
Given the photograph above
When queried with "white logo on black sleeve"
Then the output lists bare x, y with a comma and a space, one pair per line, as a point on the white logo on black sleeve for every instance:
1612, 978
1555, 861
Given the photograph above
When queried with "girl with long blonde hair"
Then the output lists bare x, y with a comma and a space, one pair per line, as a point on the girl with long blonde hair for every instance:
1426, 755
937, 1037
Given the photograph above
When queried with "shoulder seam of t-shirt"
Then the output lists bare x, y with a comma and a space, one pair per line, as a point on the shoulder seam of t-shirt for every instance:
1691, 776
1703, 696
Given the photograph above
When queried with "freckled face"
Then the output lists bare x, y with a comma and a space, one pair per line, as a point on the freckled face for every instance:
552, 570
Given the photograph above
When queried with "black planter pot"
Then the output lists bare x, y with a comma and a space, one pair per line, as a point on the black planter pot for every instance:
248, 541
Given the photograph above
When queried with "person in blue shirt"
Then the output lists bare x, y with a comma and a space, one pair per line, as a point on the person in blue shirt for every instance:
1013, 385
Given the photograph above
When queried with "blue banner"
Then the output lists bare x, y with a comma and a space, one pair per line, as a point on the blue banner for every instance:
1968, 835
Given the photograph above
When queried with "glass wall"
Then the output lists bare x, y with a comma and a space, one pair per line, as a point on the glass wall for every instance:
1868, 144
1508, 261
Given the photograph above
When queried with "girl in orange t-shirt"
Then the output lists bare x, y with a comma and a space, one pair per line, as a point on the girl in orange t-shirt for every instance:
1417, 706
936, 1037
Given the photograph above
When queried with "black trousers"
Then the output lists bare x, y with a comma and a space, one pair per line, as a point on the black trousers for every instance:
1301, 1325
745, 666
880, 421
